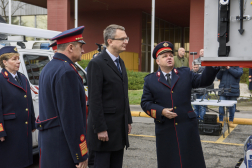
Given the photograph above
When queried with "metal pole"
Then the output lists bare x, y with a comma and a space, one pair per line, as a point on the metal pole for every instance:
76, 13
9, 11
152, 33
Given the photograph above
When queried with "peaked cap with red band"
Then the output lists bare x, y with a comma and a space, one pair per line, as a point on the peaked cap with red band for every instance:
54, 45
161, 48
72, 35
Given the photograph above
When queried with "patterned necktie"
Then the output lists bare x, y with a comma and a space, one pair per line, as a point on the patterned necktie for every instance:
16, 77
118, 67
168, 78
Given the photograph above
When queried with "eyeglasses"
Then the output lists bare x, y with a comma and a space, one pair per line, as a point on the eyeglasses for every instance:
122, 39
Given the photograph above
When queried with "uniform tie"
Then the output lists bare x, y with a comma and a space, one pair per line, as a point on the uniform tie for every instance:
16, 77
168, 78
117, 64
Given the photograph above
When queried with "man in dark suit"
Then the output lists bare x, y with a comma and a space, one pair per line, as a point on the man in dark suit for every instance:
167, 98
62, 106
109, 120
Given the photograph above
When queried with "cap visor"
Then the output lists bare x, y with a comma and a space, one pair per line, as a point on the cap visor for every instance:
81, 41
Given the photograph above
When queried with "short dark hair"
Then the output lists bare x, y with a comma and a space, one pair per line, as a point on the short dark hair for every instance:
63, 46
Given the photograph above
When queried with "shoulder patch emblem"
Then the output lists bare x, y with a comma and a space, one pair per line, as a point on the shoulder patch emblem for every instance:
1, 127
165, 44
83, 148
153, 113
6, 74
82, 138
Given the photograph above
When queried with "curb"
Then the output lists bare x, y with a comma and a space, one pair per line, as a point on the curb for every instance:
241, 121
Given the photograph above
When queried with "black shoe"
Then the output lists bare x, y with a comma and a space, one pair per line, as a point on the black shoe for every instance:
237, 110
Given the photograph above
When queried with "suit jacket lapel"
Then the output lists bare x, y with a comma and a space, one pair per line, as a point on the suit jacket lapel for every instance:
124, 72
111, 64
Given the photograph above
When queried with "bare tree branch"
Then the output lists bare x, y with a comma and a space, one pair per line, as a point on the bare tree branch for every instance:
4, 4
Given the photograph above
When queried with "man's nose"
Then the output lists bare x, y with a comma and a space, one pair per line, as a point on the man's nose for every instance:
82, 50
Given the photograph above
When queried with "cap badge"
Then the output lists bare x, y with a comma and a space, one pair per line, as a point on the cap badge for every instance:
15, 49
165, 44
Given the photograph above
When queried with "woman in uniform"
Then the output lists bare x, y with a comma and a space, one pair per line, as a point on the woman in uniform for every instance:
17, 120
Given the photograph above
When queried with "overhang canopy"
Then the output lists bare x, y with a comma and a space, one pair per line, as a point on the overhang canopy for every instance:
176, 12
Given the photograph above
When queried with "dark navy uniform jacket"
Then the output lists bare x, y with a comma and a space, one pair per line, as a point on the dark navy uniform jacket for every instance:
177, 140
16, 121
62, 115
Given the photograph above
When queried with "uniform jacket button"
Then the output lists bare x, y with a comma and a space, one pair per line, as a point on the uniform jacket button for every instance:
175, 107
26, 109
176, 123
171, 91
25, 96
26, 122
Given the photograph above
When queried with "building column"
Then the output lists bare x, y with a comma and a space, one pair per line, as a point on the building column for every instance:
196, 38
58, 12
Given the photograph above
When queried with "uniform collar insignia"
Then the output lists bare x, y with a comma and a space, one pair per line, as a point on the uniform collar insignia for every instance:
176, 71
158, 74
6, 74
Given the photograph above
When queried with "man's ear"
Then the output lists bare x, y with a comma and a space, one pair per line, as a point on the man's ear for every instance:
70, 48
109, 41
157, 61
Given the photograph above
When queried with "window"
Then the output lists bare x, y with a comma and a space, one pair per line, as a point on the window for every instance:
34, 65
82, 74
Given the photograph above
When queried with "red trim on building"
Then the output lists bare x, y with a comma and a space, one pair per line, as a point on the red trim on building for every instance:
244, 64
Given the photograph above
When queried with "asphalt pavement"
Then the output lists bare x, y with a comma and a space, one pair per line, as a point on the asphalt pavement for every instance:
218, 152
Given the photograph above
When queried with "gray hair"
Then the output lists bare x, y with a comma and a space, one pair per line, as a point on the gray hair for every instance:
110, 31
63, 46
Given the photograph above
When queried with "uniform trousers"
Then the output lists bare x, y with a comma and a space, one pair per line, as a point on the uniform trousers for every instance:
111, 159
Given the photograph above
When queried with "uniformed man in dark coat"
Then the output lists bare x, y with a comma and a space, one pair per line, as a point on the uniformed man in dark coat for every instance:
109, 120
62, 106
167, 98
17, 119
250, 79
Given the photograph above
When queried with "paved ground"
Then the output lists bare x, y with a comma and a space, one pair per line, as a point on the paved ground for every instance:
219, 152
